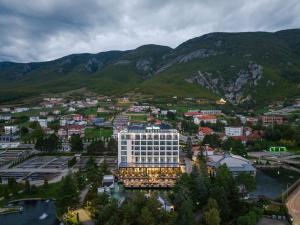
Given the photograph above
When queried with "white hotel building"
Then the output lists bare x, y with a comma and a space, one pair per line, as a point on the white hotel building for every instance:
149, 154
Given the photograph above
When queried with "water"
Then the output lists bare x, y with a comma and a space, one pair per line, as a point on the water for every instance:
33, 214
272, 186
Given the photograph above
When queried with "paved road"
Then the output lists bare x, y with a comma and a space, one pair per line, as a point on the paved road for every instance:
293, 205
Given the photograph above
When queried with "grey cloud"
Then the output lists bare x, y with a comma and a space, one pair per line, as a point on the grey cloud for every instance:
35, 30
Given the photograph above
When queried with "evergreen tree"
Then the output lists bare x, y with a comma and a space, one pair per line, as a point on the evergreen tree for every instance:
76, 143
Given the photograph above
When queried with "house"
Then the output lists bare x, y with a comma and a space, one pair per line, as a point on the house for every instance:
192, 114
75, 129
221, 102
236, 164
77, 117
10, 129
43, 123
108, 183
205, 119
98, 121
50, 118
44, 113
5, 117
34, 118
233, 131
211, 112
21, 109
56, 112
203, 131
271, 120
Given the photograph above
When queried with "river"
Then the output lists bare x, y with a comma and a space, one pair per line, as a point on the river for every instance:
35, 212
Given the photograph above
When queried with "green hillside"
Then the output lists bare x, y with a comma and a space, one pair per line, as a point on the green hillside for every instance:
252, 66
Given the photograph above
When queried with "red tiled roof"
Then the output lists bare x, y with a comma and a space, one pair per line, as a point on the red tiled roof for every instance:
205, 130
192, 113
206, 117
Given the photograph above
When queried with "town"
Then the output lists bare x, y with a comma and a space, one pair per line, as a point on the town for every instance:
196, 160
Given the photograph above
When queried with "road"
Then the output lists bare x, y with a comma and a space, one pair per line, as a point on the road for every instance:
293, 205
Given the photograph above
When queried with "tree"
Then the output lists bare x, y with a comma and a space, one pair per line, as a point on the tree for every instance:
45, 183
96, 148
5, 193
27, 187
185, 213
212, 214
247, 180
189, 148
76, 143
68, 194
212, 140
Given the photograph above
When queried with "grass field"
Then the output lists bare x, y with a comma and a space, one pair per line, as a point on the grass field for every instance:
138, 118
97, 132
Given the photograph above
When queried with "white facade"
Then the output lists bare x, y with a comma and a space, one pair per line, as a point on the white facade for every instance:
233, 131
43, 122
10, 129
148, 146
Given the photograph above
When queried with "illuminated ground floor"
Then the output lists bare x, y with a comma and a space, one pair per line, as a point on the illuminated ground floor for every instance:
148, 177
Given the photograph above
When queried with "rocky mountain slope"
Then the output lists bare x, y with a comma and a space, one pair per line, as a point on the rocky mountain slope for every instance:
251, 66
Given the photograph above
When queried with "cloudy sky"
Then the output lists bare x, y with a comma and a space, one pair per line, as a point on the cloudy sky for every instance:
35, 30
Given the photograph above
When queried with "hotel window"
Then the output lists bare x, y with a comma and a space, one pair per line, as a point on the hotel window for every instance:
156, 142
169, 148
137, 159
156, 137
123, 153
150, 160
123, 137
143, 153
175, 137
162, 153
149, 153
137, 137
162, 142
162, 147
150, 137
156, 153
137, 148
143, 159
123, 142
149, 148
143, 137
162, 137
156, 148
137, 153
123, 159
169, 142
175, 159
156, 159
169, 160
175, 153
169, 153
175, 142
143, 142
162, 159
123, 147
137, 143
143, 148
169, 137
175, 148
149, 143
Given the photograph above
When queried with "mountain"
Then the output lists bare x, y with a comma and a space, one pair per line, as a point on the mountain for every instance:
252, 67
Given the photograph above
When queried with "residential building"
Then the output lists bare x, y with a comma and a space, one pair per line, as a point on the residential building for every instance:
5, 117
233, 131
148, 152
211, 111
203, 131
271, 120
10, 129
205, 119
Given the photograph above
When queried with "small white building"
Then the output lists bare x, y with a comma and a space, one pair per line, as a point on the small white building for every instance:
233, 131
43, 122
10, 129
